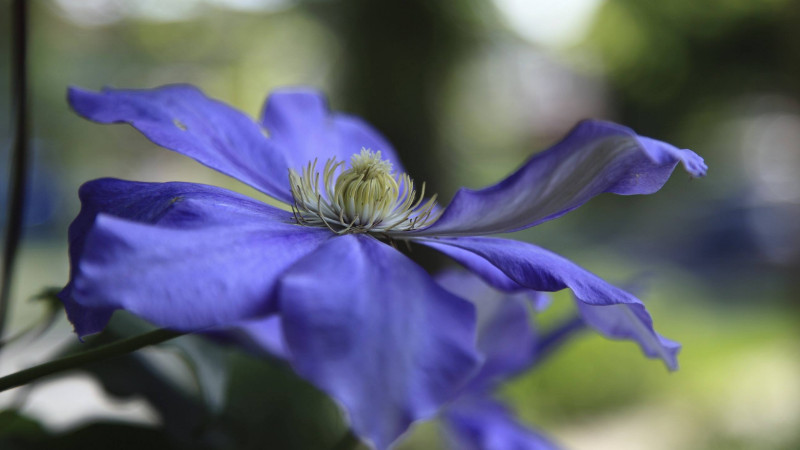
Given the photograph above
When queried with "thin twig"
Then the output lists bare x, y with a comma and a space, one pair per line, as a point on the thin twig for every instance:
73, 361
19, 164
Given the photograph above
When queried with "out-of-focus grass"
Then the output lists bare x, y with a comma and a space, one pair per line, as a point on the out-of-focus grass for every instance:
736, 387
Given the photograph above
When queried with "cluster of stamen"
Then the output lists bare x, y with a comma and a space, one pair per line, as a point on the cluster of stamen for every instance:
367, 197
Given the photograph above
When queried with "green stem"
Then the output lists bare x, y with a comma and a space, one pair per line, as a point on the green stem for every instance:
100, 353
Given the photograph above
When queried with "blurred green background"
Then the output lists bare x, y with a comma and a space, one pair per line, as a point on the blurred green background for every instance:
466, 91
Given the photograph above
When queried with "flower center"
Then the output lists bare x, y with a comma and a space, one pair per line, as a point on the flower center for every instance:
367, 197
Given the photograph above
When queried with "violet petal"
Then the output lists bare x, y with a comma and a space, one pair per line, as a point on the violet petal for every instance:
595, 157
372, 329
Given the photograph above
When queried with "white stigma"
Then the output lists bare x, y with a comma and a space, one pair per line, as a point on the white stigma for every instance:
367, 197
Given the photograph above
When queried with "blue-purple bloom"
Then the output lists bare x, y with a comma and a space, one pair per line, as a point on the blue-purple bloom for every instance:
359, 319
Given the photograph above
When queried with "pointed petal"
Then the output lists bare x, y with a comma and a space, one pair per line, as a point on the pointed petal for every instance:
634, 323
596, 157
506, 336
85, 320
372, 329
301, 125
480, 423
183, 119
541, 270
181, 255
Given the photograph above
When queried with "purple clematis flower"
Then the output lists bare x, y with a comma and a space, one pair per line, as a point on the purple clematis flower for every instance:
359, 319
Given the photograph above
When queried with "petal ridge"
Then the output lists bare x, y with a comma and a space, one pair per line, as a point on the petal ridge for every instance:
595, 157
183, 119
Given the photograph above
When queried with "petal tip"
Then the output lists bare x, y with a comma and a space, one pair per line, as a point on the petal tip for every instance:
85, 321
694, 164
79, 98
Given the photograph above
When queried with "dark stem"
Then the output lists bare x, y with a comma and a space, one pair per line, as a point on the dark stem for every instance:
98, 354
19, 162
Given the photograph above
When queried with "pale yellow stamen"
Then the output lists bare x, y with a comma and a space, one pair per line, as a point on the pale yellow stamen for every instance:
367, 197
